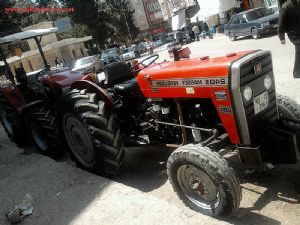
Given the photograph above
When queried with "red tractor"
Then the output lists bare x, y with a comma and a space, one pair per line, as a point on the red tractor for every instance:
28, 102
199, 106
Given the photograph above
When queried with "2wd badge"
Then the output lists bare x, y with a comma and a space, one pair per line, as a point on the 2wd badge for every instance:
257, 68
225, 109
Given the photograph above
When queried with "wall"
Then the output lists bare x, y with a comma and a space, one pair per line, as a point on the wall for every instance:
166, 9
45, 39
139, 16
257, 3
153, 12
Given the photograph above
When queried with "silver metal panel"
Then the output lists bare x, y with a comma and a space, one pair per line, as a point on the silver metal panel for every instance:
237, 96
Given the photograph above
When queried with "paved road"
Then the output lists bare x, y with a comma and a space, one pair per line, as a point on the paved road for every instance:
65, 195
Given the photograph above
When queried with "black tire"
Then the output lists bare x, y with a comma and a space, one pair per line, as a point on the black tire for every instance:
289, 109
232, 37
92, 133
46, 133
216, 175
254, 33
12, 122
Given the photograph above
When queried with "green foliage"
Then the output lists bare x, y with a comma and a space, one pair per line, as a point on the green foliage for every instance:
77, 31
106, 20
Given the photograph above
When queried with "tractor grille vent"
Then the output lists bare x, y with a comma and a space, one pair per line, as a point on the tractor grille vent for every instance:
258, 123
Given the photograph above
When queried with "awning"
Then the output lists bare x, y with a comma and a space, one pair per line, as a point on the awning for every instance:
214, 7
17, 37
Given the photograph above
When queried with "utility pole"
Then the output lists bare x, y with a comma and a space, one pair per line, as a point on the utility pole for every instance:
126, 22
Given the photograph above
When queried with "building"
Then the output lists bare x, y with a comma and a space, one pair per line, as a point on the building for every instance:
66, 50
151, 17
139, 17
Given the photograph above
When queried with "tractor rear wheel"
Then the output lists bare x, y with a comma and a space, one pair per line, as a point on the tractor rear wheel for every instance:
204, 181
11, 121
92, 133
45, 131
289, 109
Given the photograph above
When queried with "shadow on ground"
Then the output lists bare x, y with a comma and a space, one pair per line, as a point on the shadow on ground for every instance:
145, 168
60, 192
280, 184
244, 38
64, 192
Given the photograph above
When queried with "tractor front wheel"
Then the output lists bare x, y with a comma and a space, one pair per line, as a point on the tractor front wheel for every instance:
45, 131
11, 121
204, 181
92, 133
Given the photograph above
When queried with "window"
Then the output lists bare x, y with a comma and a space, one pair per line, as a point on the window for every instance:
242, 19
235, 20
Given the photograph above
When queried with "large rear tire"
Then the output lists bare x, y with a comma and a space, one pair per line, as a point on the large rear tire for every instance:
204, 181
11, 121
45, 131
92, 133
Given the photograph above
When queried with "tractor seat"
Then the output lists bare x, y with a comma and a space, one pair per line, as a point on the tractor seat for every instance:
128, 87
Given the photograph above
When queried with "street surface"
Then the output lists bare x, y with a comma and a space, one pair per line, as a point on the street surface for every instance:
65, 195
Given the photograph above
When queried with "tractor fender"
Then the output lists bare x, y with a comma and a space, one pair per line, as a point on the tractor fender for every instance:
14, 96
28, 107
94, 88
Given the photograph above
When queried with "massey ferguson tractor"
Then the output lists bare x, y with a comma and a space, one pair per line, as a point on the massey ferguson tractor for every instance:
201, 107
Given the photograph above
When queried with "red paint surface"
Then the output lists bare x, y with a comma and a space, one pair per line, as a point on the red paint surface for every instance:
14, 97
194, 68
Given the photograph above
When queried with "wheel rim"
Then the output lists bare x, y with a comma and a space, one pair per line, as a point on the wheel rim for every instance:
37, 135
254, 33
7, 125
231, 37
79, 140
198, 187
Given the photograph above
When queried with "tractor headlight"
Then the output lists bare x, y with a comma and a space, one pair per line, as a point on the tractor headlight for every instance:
268, 82
247, 93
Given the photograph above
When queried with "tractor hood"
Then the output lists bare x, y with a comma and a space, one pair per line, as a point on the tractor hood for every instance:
156, 80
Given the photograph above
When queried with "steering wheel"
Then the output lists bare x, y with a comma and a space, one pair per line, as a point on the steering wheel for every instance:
135, 69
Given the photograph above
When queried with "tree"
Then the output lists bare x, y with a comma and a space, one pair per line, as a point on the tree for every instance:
125, 25
104, 19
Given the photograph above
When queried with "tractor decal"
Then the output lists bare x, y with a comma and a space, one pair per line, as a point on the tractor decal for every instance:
195, 82
225, 109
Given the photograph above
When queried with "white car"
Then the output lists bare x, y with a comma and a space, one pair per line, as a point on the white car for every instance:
130, 53
88, 64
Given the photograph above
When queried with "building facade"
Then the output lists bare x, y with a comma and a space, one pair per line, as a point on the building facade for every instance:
139, 17
66, 50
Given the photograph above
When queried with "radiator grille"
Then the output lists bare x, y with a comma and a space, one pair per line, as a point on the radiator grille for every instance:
257, 124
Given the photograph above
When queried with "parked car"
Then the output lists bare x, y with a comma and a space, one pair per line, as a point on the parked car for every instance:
158, 43
88, 65
142, 47
254, 22
109, 56
130, 53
